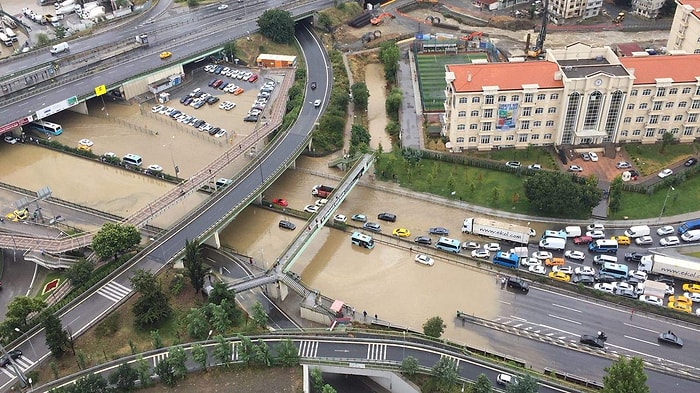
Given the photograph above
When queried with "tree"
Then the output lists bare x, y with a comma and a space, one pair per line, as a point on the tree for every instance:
56, 337
324, 21
17, 313
287, 353
445, 374
482, 385
223, 352
166, 373
561, 194
152, 308
277, 25
615, 194
124, 378
113, 239
230, 49
360, 95
409, 366
389, 55
625, 376
89, 384
328, 389
526, 384
194, 266
434, 327
143, 369
316, 379
80, 272
666, 139
199, 355
197, 324
178, 357
259, 315
393, 103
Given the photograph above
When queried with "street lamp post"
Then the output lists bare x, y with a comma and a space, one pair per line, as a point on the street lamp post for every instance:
29, 339
663, 208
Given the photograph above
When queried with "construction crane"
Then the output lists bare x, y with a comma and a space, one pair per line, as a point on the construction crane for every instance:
378, 20
539, 44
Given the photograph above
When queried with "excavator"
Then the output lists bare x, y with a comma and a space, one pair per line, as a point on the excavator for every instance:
539, 44
472, 35
378, 20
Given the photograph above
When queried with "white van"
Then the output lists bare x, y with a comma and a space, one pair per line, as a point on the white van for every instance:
10, 34
58, 48
223, 182
638, 231
601, 259
573, 231
553, 243
691, 236
132, 159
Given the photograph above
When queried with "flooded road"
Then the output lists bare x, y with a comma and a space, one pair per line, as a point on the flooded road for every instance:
376, 109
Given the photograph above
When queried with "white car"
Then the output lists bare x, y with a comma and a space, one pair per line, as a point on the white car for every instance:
321, 202
537, 269
649, 299
575, 168
669, 241
542, 255
670, 290
534, 167
639, 275
577, 255
222, 7
694, 296
317, 103
484, 254
492, 247
644, 240
340, 218
155, 168
530, 262
156, 108
605, 287
220, 133
311, 208
585, 271
10, 139
665, 230
596, 234
625, 286
623, 165
85, 142
564, 269
424, 259
595, 227
665, 173
594, 157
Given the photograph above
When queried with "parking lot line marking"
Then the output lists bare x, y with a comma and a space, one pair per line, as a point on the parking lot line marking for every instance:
640, 340
566, 307
564, 319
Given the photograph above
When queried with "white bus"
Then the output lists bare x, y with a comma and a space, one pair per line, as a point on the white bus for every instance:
46, 127
449, 245
616, 270
362, 240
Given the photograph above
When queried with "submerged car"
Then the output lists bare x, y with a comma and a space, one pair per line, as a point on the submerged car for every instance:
359, 217
424, 259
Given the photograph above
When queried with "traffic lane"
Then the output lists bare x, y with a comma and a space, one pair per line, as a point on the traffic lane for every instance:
17, 275
581, 364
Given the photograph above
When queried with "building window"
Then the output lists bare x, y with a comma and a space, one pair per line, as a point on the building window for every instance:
510, 138
488, 113
654, 119
639, 119
554, 96
541, 97
486, 139
475, 114
696, 104
627, 120
463, 100
549, 123
686, 90
675, 131
539, 111
525, 125
461, 127
630, 107
485, 126
528, 97
489, 100
697, 90
636, 132
496, 138
678, 118
462, 114
688, 130
665, 118
473, 126
624, 133
536, 124
633, 93
650, 132
595, 102
515, 98
472, 139
673, 91
527, 111
657, 105
522, 138
646, 92
662, 131
613, 118
534, 137
669, 105
460, 139
692, 117
660, 91
501, 98
682, 104
643, 105
547, 136
476, 100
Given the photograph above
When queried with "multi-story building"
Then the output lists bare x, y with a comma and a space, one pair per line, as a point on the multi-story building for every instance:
578, 95
647, 8
685, 30
560, 11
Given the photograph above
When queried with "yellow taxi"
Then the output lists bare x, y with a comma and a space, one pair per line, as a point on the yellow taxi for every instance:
165, 55
686, 308
554, 262
680, 299
622, 240
84, 148
695, 288
560, 276
401, 232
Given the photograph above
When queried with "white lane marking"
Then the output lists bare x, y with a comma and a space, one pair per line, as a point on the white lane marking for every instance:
640, 340
641, 328
566, 307
564, 319
518, 318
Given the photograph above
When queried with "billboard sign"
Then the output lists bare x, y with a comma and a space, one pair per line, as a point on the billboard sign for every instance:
507, 116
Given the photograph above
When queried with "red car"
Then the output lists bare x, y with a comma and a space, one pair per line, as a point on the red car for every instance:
280, 201
583, 240
253, 78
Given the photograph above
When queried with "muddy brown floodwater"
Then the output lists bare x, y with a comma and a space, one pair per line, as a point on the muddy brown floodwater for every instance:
376, 109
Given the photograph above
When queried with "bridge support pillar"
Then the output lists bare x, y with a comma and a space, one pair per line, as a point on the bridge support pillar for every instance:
80, 108
213, 240
277, 290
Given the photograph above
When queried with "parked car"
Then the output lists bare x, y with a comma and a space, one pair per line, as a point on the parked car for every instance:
670, 241
534, 167
583, 240
387, 217
423, 240
359, 217
424, 259
311, 208
575, 168
623, 165
281, 202
471, 245
492, 247
585, 271
438, 231
594, 156
644, 240
401, 232
577, 255
633, 257
287, 225
691, 161
665, 230
537, 269
665, 173
649, 299
583, 279
513, 164
372, 226
481, 253
585, 156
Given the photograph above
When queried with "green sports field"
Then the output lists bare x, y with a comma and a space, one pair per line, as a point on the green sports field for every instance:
431, 76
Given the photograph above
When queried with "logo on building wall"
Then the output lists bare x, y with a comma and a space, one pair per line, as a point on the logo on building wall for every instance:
507, 116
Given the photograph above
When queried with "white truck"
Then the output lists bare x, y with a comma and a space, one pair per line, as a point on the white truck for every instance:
497, 230
670, 266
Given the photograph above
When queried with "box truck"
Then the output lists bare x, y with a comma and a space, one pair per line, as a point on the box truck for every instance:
670, 266
497, 230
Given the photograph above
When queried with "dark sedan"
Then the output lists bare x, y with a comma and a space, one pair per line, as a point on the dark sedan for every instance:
5, 361
583, 279
423, 240
592, 341
372, 226
670, 338
313, 85
438, 231
287, 225
691, 161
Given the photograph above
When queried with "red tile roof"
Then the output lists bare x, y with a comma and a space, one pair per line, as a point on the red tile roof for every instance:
507, 76
626, 48
693, 3
683, 68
